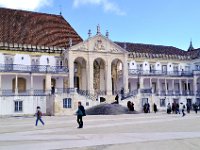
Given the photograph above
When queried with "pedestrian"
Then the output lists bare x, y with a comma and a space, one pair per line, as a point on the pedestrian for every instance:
169, 108
183, 110
148, 107
117, 99
195, 106
177, 109
38, 116
155, 108
80, 113
188, 107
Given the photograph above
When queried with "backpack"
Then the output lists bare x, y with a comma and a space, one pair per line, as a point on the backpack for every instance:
83, 110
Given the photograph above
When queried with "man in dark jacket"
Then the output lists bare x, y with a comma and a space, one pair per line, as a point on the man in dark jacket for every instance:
80, 113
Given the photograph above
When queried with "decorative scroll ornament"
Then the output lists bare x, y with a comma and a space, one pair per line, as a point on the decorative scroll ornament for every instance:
99, 46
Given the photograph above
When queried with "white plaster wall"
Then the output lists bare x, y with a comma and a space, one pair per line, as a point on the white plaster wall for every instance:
2, 61
132, 65
146, 66
29, 105
38, 82
146, 83
59, 82
133, 84
158, 66
22, 59
170, 67
43, 60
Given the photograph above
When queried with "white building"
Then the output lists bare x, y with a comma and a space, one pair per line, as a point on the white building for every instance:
44, 62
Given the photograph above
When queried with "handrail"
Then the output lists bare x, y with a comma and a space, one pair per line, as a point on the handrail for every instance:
159, 72
33, 68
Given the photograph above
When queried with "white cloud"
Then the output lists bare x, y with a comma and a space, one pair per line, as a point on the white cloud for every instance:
25, 4
107, 5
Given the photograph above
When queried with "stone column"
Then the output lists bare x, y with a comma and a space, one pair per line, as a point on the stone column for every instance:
166, 91
32, 90
180, 87
90, 76
125, 76
71, 72
173, 90
16, 84
158, 86
187, 89
48, 84
108, 78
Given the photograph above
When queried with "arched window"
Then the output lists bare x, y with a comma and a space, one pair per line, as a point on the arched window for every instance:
21, 85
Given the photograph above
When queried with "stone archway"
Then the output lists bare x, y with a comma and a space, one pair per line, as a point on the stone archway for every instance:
80, 74
99, 84
117, 76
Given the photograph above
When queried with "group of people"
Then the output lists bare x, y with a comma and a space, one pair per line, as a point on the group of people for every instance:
130, 106
176, 108
146, 108
80, 113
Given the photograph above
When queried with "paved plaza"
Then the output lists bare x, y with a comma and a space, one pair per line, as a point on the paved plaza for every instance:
121, 132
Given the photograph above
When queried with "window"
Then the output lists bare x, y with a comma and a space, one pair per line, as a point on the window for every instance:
18, 106
162, 103
67, 103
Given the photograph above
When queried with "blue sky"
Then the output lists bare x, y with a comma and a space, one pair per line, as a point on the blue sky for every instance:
161, 22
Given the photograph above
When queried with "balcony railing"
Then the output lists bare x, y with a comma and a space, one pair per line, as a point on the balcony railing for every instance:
33, 68
159, 73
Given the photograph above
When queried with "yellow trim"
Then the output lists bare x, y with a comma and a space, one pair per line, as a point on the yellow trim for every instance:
30, 53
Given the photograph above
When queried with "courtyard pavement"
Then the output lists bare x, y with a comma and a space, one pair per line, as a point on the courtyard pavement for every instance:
122, 132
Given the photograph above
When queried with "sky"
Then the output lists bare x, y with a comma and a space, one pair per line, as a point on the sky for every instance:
159, 22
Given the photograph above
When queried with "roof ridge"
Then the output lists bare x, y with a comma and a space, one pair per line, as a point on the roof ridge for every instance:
148, 44
29, 11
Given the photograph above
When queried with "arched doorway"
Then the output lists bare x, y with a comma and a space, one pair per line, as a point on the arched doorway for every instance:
80, 74
117, 76
99, 84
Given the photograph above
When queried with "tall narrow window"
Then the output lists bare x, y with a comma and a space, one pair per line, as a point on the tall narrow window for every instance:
18, 106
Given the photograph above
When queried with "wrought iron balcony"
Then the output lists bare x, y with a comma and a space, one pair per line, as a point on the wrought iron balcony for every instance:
133, 72
33, 68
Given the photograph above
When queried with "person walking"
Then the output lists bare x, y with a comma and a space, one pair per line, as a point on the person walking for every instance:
188, 107
195, 106
169, 108
183, 110
117, 99
155, 108
38, 116
80, 113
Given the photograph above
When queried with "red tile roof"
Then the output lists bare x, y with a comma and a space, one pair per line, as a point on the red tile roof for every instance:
24, 27
151, 49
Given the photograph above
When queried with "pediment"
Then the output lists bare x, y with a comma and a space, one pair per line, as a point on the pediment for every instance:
98, 43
